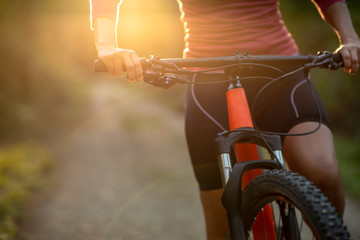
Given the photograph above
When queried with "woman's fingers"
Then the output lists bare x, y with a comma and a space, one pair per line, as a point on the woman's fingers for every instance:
354, 56
351, 56
346, 59
137, 66
116, 59
118, 65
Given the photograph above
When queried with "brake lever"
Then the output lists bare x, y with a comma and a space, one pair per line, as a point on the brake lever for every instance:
330, 63
326, 60
159, 79
166, 67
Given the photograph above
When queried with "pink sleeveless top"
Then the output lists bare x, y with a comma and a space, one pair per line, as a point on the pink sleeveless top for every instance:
220, 27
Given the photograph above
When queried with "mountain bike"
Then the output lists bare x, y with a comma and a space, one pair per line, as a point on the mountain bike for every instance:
262, 198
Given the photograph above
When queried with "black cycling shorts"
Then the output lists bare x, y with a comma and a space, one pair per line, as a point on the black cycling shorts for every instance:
279, 107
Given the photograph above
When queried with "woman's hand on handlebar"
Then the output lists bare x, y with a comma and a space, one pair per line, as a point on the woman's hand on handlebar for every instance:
350, 52
338, 16
115, 59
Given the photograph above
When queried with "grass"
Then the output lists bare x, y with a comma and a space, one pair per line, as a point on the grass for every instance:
22, 170
348, 153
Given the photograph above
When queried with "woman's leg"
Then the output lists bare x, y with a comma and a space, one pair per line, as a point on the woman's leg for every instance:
202, 102
313, 156
215, 214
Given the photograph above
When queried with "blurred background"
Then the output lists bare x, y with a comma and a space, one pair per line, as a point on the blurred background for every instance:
46, 79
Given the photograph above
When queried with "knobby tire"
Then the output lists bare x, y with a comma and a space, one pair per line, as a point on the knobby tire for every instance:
280, 187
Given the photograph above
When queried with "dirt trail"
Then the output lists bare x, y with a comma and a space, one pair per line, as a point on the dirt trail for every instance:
123, 173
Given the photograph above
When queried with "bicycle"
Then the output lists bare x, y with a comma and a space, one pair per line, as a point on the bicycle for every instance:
269, 203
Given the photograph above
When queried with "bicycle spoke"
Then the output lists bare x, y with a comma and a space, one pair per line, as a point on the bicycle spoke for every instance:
263, 217
280, 214
302, 221
262, 234
277, 229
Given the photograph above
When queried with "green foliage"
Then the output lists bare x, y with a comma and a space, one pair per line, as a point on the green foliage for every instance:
340, 94
22, 169
348, 152
41, 79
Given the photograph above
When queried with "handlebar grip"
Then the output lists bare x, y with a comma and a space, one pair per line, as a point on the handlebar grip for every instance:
99, 66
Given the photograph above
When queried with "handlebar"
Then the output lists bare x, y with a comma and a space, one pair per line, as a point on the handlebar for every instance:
162, 72
323, 59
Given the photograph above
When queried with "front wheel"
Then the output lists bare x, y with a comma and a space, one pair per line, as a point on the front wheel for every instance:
300, 209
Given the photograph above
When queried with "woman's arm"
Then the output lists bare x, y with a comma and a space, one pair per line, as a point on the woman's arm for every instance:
104, 25
338, 16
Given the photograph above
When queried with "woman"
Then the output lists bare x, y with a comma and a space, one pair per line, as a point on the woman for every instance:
218, 28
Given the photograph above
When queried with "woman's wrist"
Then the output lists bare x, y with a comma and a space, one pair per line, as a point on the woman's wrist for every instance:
349, 39
105, 47
105, 33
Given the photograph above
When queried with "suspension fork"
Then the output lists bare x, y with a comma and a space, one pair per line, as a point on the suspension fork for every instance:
240, 117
